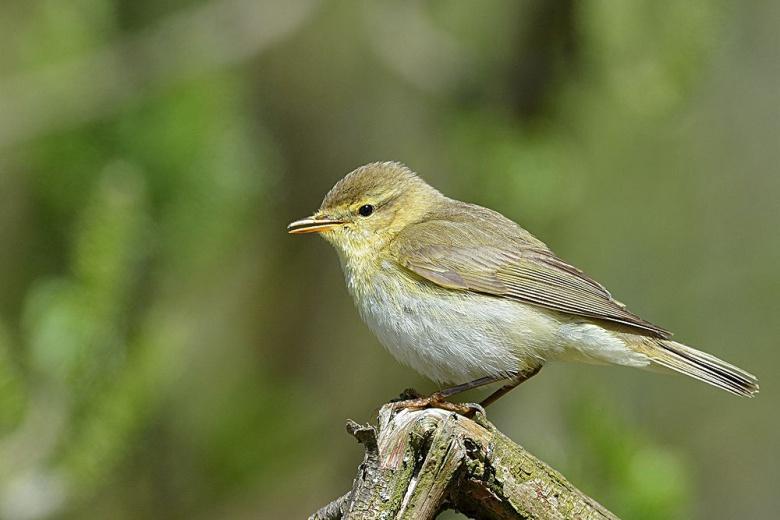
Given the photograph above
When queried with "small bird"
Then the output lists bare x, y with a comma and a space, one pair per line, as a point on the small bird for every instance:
467, 297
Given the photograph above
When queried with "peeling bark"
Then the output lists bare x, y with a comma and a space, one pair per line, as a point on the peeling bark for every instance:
421, 462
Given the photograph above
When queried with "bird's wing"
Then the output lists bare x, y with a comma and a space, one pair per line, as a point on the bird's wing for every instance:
455, 256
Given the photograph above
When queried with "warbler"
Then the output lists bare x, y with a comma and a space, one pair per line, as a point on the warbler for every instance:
467, 297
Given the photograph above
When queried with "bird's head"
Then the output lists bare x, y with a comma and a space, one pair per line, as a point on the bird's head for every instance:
368, 207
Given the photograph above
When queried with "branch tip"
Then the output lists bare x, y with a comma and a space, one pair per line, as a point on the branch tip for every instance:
365, 434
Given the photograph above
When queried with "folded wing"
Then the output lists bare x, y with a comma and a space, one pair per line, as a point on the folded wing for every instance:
463, 256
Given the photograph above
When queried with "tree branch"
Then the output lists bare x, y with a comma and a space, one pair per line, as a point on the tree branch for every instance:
421, 462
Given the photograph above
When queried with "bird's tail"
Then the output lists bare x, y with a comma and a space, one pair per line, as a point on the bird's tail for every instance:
702, 366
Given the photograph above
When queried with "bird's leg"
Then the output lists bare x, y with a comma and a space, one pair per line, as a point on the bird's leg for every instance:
457, 389
520, 377
439, 399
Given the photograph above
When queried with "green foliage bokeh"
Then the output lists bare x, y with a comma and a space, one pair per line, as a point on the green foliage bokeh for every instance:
167, 351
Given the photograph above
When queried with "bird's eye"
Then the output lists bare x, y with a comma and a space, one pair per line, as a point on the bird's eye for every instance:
366, 210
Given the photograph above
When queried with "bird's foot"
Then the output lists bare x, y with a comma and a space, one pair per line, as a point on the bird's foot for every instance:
412, 400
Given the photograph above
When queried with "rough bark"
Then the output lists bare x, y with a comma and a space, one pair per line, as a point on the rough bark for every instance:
421, 462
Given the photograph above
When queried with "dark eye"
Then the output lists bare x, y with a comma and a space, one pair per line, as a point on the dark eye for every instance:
366, 210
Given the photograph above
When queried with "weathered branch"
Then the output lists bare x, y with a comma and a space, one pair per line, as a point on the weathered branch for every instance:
421, 462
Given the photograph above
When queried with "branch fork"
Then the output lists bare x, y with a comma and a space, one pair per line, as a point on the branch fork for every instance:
418, 463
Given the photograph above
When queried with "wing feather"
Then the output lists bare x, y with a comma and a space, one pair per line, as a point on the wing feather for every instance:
456, 256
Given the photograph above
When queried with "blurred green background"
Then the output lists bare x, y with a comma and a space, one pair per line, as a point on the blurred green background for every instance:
167, 351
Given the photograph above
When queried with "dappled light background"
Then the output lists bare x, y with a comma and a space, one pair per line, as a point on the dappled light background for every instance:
168, 351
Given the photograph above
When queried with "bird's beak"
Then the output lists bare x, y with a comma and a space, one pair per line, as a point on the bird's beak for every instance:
313, 225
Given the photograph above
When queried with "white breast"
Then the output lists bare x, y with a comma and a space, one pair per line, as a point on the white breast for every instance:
450, 336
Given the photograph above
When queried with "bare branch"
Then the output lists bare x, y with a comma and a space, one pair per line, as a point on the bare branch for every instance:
420, 462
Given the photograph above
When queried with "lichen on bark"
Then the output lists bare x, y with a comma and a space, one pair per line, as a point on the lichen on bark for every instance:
421, 462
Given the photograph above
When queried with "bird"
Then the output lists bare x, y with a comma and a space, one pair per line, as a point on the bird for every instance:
467, 297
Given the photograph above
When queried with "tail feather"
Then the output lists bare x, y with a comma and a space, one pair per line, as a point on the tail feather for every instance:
704, 367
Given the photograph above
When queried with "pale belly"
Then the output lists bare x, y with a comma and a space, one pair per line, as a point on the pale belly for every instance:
455, 337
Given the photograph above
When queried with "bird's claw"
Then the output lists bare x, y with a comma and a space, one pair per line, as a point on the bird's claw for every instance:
436, 400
